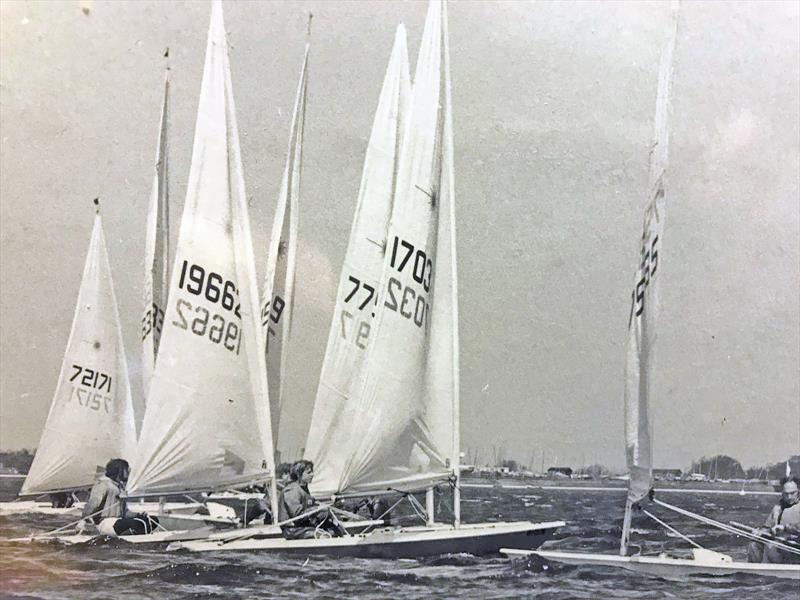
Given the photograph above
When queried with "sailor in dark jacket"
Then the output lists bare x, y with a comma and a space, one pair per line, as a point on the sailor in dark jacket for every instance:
295, 500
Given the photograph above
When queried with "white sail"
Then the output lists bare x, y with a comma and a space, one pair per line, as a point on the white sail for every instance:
278, 299
337, 403
645, 299
408, 415
206, 425
156, 265
91, 419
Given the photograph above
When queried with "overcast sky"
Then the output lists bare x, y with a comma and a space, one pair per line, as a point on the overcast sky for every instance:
553, 114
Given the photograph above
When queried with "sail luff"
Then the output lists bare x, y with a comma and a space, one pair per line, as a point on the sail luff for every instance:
645, 300
156, 278
448, 171
278, 295
91, 418
333, 426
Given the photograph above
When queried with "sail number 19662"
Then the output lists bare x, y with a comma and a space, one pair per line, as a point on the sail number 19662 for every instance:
199, 320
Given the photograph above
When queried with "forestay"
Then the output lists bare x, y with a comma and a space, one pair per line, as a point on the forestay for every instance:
407, 430
207, 420
278, 298
156, 262
91, 418
644, 301
338, 401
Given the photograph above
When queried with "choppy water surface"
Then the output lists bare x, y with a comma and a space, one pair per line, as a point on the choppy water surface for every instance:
118, 570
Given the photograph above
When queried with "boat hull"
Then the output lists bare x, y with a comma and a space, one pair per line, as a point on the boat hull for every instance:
402, 542
664, 567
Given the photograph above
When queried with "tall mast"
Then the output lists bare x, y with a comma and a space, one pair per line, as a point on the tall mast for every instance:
644, 302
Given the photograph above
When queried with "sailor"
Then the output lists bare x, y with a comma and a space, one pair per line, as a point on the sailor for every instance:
783, 523
107, 511
62, 500
260, 509
296, 500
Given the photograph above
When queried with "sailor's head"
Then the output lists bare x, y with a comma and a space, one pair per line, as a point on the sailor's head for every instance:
790, 492
118, 470
284, 472
302, 471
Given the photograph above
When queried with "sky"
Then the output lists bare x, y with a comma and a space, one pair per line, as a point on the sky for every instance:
553, 107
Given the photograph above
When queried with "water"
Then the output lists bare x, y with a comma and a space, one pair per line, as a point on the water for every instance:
119, 570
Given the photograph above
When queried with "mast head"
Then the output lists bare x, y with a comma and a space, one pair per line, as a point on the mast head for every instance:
96, 202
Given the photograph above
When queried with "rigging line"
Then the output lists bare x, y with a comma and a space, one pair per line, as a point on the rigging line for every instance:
727, 528
672, 529
386, 512
74, 523
418, 509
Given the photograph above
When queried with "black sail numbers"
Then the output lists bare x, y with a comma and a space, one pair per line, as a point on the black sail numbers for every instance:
223, 327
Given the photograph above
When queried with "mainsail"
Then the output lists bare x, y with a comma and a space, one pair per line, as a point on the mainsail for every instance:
337, 404
156, 262
91, 419
644, 302
278, 299
206, 425
406, 431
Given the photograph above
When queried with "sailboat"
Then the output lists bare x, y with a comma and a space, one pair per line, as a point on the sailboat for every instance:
337, 403
156, 276
638, 390
399, 401
206, 425
278, 295
91, 418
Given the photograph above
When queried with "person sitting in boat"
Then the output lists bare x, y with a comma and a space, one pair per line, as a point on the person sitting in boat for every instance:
62, 500
782, 523
295, 500
261, 509
107, 511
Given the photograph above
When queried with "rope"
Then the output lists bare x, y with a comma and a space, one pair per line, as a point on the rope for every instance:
415, 504
728, 528
672, 529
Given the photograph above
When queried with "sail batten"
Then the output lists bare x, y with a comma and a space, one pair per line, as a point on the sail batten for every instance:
91, 419
206, 424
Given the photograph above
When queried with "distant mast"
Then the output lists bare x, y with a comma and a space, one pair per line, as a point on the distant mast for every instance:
278, 295
156, 267
644, 302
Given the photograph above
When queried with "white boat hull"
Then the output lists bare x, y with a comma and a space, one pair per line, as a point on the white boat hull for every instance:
664, 567
400, 542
